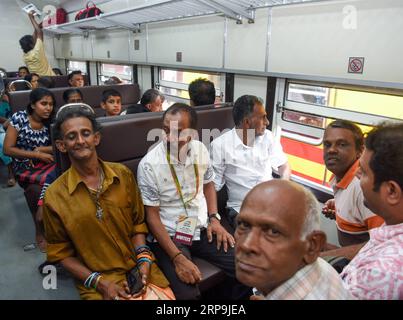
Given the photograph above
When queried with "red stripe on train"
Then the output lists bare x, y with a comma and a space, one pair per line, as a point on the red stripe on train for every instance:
302, 150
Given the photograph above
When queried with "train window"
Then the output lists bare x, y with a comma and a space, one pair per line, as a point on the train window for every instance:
122, 72
307, 94
174, 83
305, 109
348, 99
304, 118
77, 65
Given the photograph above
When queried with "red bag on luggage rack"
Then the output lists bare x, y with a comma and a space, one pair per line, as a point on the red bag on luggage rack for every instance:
88, 12
58, 18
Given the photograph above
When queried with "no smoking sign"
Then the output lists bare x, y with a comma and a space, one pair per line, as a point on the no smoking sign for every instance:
356, 65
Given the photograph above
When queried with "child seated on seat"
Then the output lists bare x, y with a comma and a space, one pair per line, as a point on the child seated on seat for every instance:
111, 102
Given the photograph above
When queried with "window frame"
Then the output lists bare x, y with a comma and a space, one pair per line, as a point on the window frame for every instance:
316, 110
183, 86
68, 70
119, 75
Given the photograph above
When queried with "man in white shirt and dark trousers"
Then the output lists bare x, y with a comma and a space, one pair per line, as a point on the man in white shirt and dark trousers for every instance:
176, 183
245, 156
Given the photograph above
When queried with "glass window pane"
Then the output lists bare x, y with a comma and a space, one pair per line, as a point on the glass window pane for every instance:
386, 105
304, 118
77, 65
381, 104
176, 82
186, 77
122, 72
308, 94
184, 94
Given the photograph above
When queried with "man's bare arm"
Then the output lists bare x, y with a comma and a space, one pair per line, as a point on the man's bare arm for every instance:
348, 252
108, 289
186, 270
38, 33
285, 171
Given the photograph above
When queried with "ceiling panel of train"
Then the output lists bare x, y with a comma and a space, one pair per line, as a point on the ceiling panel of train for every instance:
164, 10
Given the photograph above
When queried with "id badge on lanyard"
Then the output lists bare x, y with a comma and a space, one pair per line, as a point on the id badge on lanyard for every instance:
185, 230
186, 226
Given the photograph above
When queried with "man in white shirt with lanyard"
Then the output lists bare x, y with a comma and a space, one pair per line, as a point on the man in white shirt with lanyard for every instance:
244, 157
181, 207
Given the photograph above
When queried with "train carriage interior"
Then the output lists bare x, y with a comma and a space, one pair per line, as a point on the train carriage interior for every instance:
310, 61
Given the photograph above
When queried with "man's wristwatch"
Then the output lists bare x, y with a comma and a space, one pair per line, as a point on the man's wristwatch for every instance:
214, 215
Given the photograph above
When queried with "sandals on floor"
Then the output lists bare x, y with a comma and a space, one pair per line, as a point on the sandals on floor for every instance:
11, 182
32, 246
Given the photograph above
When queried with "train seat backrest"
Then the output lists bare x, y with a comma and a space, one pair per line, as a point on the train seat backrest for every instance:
125, 138
92, 96
58, 81
62, 81
12, 74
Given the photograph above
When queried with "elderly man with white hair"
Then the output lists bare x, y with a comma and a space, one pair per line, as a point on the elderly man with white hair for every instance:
278, 242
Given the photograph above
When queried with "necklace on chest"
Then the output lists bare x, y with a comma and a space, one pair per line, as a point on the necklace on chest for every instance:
96, 193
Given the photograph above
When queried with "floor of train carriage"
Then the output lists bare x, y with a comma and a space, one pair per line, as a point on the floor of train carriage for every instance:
19, 275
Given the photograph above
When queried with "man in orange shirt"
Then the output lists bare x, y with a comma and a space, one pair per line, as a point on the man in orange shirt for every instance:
343, 143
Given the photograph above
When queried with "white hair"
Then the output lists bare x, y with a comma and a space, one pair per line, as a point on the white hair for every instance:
312, 218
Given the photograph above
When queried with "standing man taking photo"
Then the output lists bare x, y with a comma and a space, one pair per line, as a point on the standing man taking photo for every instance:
34, 50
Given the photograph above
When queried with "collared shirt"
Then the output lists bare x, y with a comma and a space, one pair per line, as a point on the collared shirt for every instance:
36, 60
316, 281
137, 108
158, 188
376, 272
352, 216
104, 245
241, 167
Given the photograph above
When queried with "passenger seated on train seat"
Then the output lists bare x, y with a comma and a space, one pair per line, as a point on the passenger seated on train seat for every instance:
343, 143
151, 101
46, 82
32, 78
23, 71
73, 95
279, 258
34, 50
201, 92
113, 80
176, 183
93, 215
76, 79
5, 114
111, 102
28, 142
245, 156
218, 100
376, 271
57, 71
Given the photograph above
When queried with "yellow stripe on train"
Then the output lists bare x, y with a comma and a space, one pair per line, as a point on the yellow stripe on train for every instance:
308, 168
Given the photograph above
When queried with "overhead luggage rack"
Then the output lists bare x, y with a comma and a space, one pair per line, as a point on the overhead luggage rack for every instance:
166, 10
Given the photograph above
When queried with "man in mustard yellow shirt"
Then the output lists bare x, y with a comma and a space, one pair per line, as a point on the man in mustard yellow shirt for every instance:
94, 217
34, 51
